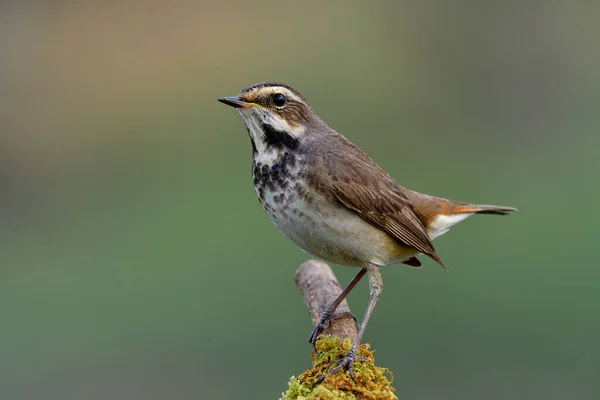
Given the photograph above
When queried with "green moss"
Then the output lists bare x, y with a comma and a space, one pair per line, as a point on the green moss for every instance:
372, 383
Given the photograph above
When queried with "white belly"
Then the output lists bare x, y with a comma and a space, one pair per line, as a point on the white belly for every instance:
333, 233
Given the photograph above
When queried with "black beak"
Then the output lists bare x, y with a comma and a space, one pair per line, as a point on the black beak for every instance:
234, 101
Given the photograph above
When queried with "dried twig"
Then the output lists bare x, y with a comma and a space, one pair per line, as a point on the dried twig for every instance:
319, 287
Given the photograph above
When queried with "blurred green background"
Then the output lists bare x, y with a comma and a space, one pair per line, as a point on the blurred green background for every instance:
136, 262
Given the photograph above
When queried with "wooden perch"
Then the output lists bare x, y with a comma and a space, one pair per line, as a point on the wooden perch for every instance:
320, 288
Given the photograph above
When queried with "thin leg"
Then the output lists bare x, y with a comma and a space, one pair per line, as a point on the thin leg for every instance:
375, 289
325, 317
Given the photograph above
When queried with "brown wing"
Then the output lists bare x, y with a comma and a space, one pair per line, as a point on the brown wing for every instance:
362, 186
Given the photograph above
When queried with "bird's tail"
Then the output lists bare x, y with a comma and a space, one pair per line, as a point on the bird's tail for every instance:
482, 209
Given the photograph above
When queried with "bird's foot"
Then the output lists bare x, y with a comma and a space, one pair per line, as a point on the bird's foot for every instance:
322, 325
345, 363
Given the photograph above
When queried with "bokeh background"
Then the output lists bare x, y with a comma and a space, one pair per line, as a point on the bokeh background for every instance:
136, 262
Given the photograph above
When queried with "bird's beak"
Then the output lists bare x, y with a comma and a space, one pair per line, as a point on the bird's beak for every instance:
235, 102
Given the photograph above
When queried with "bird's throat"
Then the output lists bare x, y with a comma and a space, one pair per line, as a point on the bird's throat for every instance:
279, 139
269, 142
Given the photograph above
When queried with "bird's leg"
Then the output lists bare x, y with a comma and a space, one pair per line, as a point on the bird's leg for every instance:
328, 313
375, 289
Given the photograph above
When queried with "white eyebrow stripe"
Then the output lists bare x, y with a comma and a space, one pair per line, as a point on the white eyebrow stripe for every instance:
290, 95
283, 90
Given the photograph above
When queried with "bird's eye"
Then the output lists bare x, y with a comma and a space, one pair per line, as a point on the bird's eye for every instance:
279, 100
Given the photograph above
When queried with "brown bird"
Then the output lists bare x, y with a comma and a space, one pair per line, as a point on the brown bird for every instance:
333, 201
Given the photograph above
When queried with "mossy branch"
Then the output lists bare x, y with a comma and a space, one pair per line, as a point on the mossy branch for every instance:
319, 287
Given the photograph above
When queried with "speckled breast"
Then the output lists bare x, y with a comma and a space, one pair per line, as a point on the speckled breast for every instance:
320, 226
277, 186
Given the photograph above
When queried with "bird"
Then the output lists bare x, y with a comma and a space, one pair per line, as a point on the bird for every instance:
334, 202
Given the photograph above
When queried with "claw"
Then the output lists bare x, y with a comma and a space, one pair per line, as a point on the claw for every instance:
316, 332
324, 323
345, 363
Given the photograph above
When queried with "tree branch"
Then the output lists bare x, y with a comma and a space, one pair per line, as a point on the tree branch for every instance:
320, 288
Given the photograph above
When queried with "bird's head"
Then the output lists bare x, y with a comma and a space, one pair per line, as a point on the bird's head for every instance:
278, 118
